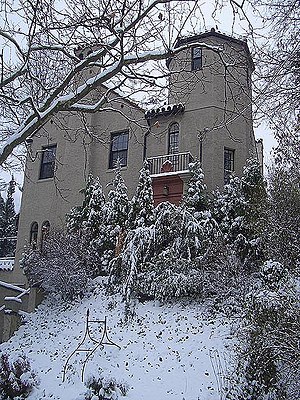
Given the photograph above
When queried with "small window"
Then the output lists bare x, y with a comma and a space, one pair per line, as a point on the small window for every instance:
228, 164
118, 149
173, 146
45, 229
34, 234
45, 232
196, 58
48, 162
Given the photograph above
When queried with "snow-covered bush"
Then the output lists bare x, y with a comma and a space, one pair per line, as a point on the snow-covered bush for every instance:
240, 211
17, 379
269, 357
58, 267
101, 388
282, 235
162, 261
168, 277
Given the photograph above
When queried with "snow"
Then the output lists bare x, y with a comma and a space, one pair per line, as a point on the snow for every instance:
7, 264
187, 171
173, 351
12, 298
13, 287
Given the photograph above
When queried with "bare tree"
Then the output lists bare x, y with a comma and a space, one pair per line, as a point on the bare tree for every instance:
56, 54
273, 31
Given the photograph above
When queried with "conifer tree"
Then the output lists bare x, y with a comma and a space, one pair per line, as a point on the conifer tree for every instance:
89, 220
195, 198
254, 191
283, 230
91, 209
9, 229
229, 207
2, 220
118, 204
239, 210
141, 212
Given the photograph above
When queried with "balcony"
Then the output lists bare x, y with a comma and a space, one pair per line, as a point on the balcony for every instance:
169, 163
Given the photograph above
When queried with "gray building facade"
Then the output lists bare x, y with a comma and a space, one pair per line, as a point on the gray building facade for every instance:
208, 117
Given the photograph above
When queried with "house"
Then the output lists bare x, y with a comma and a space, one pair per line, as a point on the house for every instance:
208, 116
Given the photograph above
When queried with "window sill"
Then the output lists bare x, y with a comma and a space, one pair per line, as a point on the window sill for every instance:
113, 169
45, 179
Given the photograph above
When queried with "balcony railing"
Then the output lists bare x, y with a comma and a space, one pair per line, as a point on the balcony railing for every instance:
170, 163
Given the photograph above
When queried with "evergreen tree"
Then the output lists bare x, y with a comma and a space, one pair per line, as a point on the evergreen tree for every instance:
91, 210
240, 211
283, 229
254, 191
2, 219
118, 204
89, 220
9, 227
195, 198
141, 212
229, 206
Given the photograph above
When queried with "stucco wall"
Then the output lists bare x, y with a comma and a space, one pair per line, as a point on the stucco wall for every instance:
106, 123
217, 107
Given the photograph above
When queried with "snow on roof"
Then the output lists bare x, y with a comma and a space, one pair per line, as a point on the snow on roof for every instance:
186, 171
7, 264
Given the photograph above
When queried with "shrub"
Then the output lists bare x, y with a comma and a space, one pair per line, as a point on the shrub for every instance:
168, 277
100, 388
58, 267
17, 379
269, 358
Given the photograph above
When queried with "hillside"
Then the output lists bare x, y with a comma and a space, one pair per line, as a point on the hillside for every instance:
166, 352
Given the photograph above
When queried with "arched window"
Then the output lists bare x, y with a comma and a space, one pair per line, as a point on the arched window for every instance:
45, 230
173, 145
34, 234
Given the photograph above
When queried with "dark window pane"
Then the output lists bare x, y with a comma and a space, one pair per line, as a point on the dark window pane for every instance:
45, 231
196, 52
48, 162
49, 154
173, 139
33, 234
118, 149
196, 58
228, 164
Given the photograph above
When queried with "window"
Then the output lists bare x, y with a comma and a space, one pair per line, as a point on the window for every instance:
34, 234
196, 58
45, 232
118, 149
228, 164
173, 145
48, 162
45, 229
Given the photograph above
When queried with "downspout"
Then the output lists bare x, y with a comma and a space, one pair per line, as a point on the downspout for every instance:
145, 140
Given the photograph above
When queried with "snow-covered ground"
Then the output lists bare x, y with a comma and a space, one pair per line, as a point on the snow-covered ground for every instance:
166, 352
